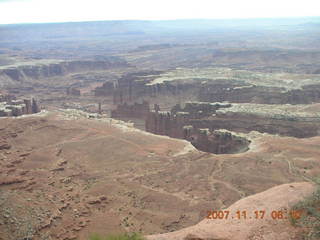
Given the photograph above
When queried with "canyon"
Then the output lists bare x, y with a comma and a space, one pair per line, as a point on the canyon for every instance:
10, 106
137, 126
24, 70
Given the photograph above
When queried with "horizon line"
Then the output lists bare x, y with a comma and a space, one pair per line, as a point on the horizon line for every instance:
159, 20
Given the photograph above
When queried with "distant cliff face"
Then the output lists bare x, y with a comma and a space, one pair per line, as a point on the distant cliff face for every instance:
22, 72
218, 142
178, 124
201, 122
10, 106
137, 110
243, 122
205, 116
259, 94
133, 86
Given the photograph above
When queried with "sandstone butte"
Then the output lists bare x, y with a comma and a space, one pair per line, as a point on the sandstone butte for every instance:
281, 197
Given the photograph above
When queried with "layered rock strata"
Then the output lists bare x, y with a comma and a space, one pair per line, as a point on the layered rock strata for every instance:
136, 110
133, 86
18, 107
73, 91
21, 72
259, 94
215, 116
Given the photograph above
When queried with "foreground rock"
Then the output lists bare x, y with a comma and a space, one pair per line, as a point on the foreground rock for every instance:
279, 198
110, 178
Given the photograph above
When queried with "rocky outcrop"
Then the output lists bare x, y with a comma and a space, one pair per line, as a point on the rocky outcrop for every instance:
165, 123
73, 91
35, 106
133, 86
129, 87
199, 109
6, 97
243, 122
201, 122
218, 142
4, 145
136, 110
200, 115
58, 68
259, 94
173, 123
19, 107
179, 124
277, 199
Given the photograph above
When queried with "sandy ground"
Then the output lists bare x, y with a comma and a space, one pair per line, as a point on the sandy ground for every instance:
263, 216
63, 179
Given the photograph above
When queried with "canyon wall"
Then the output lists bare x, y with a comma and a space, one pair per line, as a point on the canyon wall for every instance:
178, 124
168, 123
259, 94
175, 122
43, 70
218, 141
132, 86
136, 110
201, 124
6, 97
244, 122
17, 107
73, 91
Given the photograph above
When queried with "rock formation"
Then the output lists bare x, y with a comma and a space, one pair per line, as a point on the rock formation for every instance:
258, 94
136, 110
14, 107
73, 91
200, 122
215, 116
277, 199
132, 86
245, 122
172, 123
59, 68
128, 87
178, 123
35, 106
218, 142
4, 145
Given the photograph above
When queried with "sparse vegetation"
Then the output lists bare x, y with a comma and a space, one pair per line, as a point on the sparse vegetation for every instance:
126, 236
309, 219
215, 86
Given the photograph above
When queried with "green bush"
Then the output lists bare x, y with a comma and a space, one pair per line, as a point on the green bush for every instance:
310, 215
126, 236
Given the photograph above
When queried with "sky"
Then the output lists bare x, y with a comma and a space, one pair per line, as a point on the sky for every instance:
37, 11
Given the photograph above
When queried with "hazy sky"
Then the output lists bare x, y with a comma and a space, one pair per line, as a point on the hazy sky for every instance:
22, 11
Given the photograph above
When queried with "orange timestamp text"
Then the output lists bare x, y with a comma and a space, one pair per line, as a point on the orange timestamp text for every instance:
256, 214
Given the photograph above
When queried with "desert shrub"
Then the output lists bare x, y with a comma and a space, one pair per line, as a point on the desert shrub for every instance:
126, 236
309, 220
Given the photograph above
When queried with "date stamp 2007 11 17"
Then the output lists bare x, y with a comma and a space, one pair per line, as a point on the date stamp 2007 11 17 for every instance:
257, 214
